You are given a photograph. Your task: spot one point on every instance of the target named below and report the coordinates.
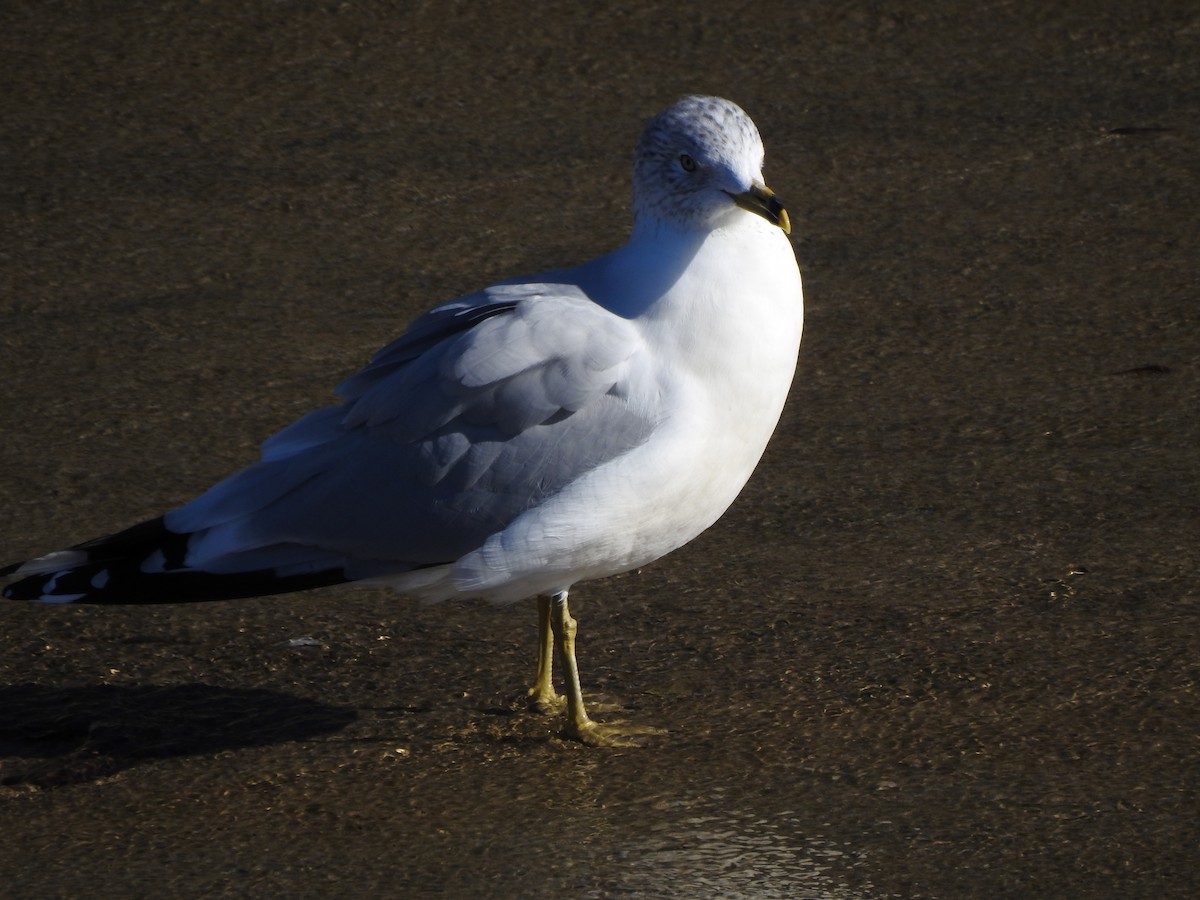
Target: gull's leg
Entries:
(542, 695)
(579, 725)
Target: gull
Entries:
(514, 442)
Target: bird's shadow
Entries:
(52, 737)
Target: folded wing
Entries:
(483, 409)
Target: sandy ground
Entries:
(945, 645)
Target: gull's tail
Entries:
(145, 564)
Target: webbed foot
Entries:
(599, 734)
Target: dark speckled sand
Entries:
(946, 643)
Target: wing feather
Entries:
(480, 411)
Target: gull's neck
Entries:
(631, 279)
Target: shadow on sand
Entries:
(53, 737)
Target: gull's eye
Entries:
(689, 164)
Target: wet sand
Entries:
(945, 644)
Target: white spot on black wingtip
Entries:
(58, 561)
(155, 562)
(100, 580)
(55, 599)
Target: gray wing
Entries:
(481, 410)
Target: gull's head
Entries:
(699, 165)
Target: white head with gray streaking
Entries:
(696, 162)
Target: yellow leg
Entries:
(542, 695)
(579, 725)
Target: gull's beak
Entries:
(762, 201)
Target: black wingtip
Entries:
(109, 570)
